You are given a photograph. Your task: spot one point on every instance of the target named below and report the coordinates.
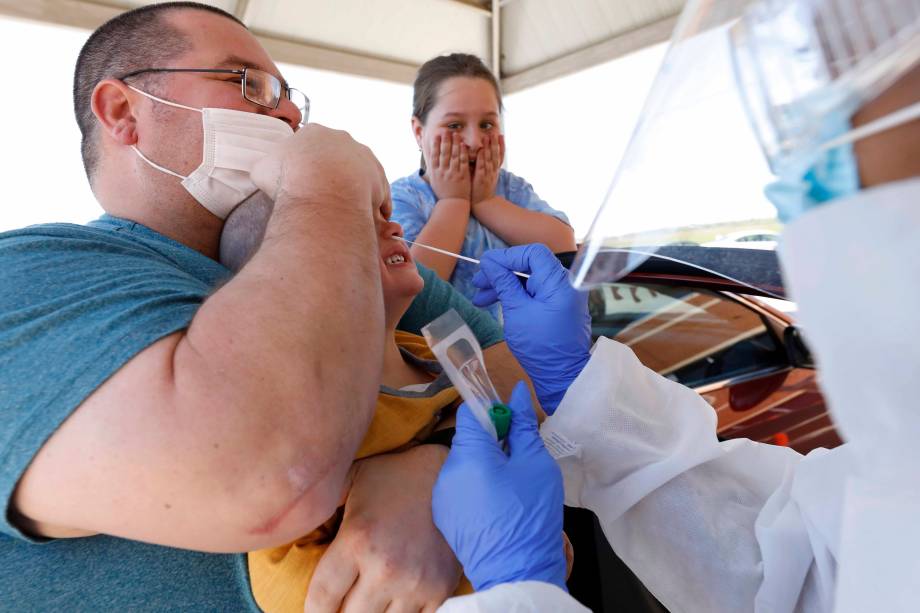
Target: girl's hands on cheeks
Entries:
(448, 165)
(488, 164)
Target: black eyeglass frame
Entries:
(285, 88)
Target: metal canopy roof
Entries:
(537, 40)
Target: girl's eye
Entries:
(453, 126)
(487, 125)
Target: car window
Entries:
(691, 336)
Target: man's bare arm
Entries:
(237, 433)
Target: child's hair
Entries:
(437, 70)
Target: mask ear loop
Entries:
(155, 165)
(892, 120)
(168, 103)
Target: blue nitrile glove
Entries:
(547, 325)
(502, 514)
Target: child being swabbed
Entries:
(415, 396)
(415, 399)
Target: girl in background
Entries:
(461, 199)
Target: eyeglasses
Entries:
(258, 87)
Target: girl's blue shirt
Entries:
(414, 201)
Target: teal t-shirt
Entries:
(76, 303)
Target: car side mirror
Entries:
(796, 350)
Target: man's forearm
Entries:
(281, 346)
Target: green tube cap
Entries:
(501, 418)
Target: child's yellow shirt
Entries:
(280, 576)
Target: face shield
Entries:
(745, 92)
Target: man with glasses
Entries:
(257, 86)
(155, 408)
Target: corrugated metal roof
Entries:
(388, 39)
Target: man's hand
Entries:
(388, 555)
(318, 161)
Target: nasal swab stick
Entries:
(523, 275)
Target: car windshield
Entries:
(690, 335)
(755, 268)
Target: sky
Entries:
(566, 137)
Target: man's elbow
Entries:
(233, 511)
(297, 514)
(302, 496)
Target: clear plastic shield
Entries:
(741, 92)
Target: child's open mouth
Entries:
(398, 256)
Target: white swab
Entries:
(523, 275)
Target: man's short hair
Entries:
(140, 38)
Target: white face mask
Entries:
(233, 142)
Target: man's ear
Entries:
(417, 131)
(113, 104)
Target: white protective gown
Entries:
(739, 526)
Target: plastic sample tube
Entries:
(459, 353)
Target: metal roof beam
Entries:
(240, 11)
(90, 15)
(482, 7)
(496, 40)
(593, 55)
(337, 60)
(71, 13)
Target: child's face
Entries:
(398, 274)
(467, 106)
